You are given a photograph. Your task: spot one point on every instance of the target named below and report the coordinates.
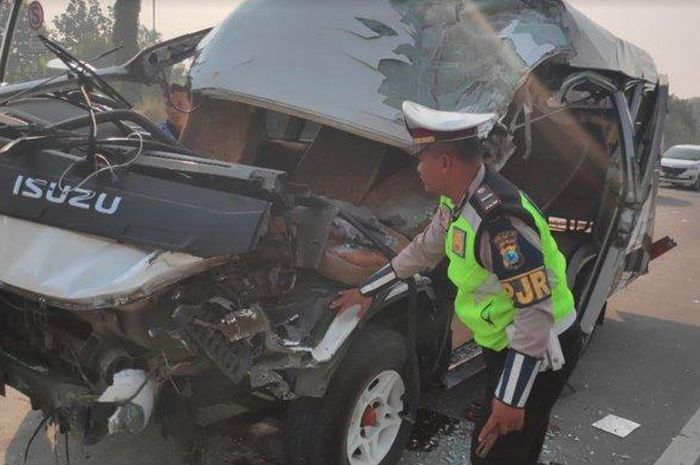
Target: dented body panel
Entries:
(295, 56)
(88, 272)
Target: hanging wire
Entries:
(42, 423)
(93, 126)
(91, 110)
(64, 174)
(55, 450)
(65, 438)
(119, 166)
(109, 166)
(105, 162)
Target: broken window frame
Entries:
(613, 251)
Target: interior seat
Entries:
(225, 131)
(340, 165)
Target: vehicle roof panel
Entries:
(351, 64)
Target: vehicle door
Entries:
(648, 109)
(624, 213)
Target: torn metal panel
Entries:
(301, 316)
(345, 323)
(350, 65)
(244, 323)
(533, 40)
(341, 328)
(314, 225)
(271, 381)
(223, 331)
(84, 271)
(598, 48)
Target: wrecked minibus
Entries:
(145, 279)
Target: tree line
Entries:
(86, 29)
(683, 122)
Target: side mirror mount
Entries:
(147, 66)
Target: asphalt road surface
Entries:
(643, 365)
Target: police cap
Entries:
(428, 126)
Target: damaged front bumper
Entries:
(125, 406)
(683, 181)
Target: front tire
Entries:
(696, 186)
(362, 418)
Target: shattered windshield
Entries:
(458, 60)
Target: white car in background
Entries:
(680, 166)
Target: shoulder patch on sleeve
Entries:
(528, 288)
(486, 199)
(510, 254)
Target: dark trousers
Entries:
(524, 447)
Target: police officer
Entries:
(510, 277)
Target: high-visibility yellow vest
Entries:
(483, 304)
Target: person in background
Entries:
(178, 107)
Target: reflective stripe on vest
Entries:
(482, 304)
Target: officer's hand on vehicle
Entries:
(347, 299)
(504, 419)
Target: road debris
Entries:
(618, 426)
(430, 426)
(473, 411)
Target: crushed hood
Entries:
(77, 270)
(351, 64)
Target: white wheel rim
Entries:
(375, 421)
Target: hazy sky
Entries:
(668, 29)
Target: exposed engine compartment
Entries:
(228, 319)
(106, 321)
